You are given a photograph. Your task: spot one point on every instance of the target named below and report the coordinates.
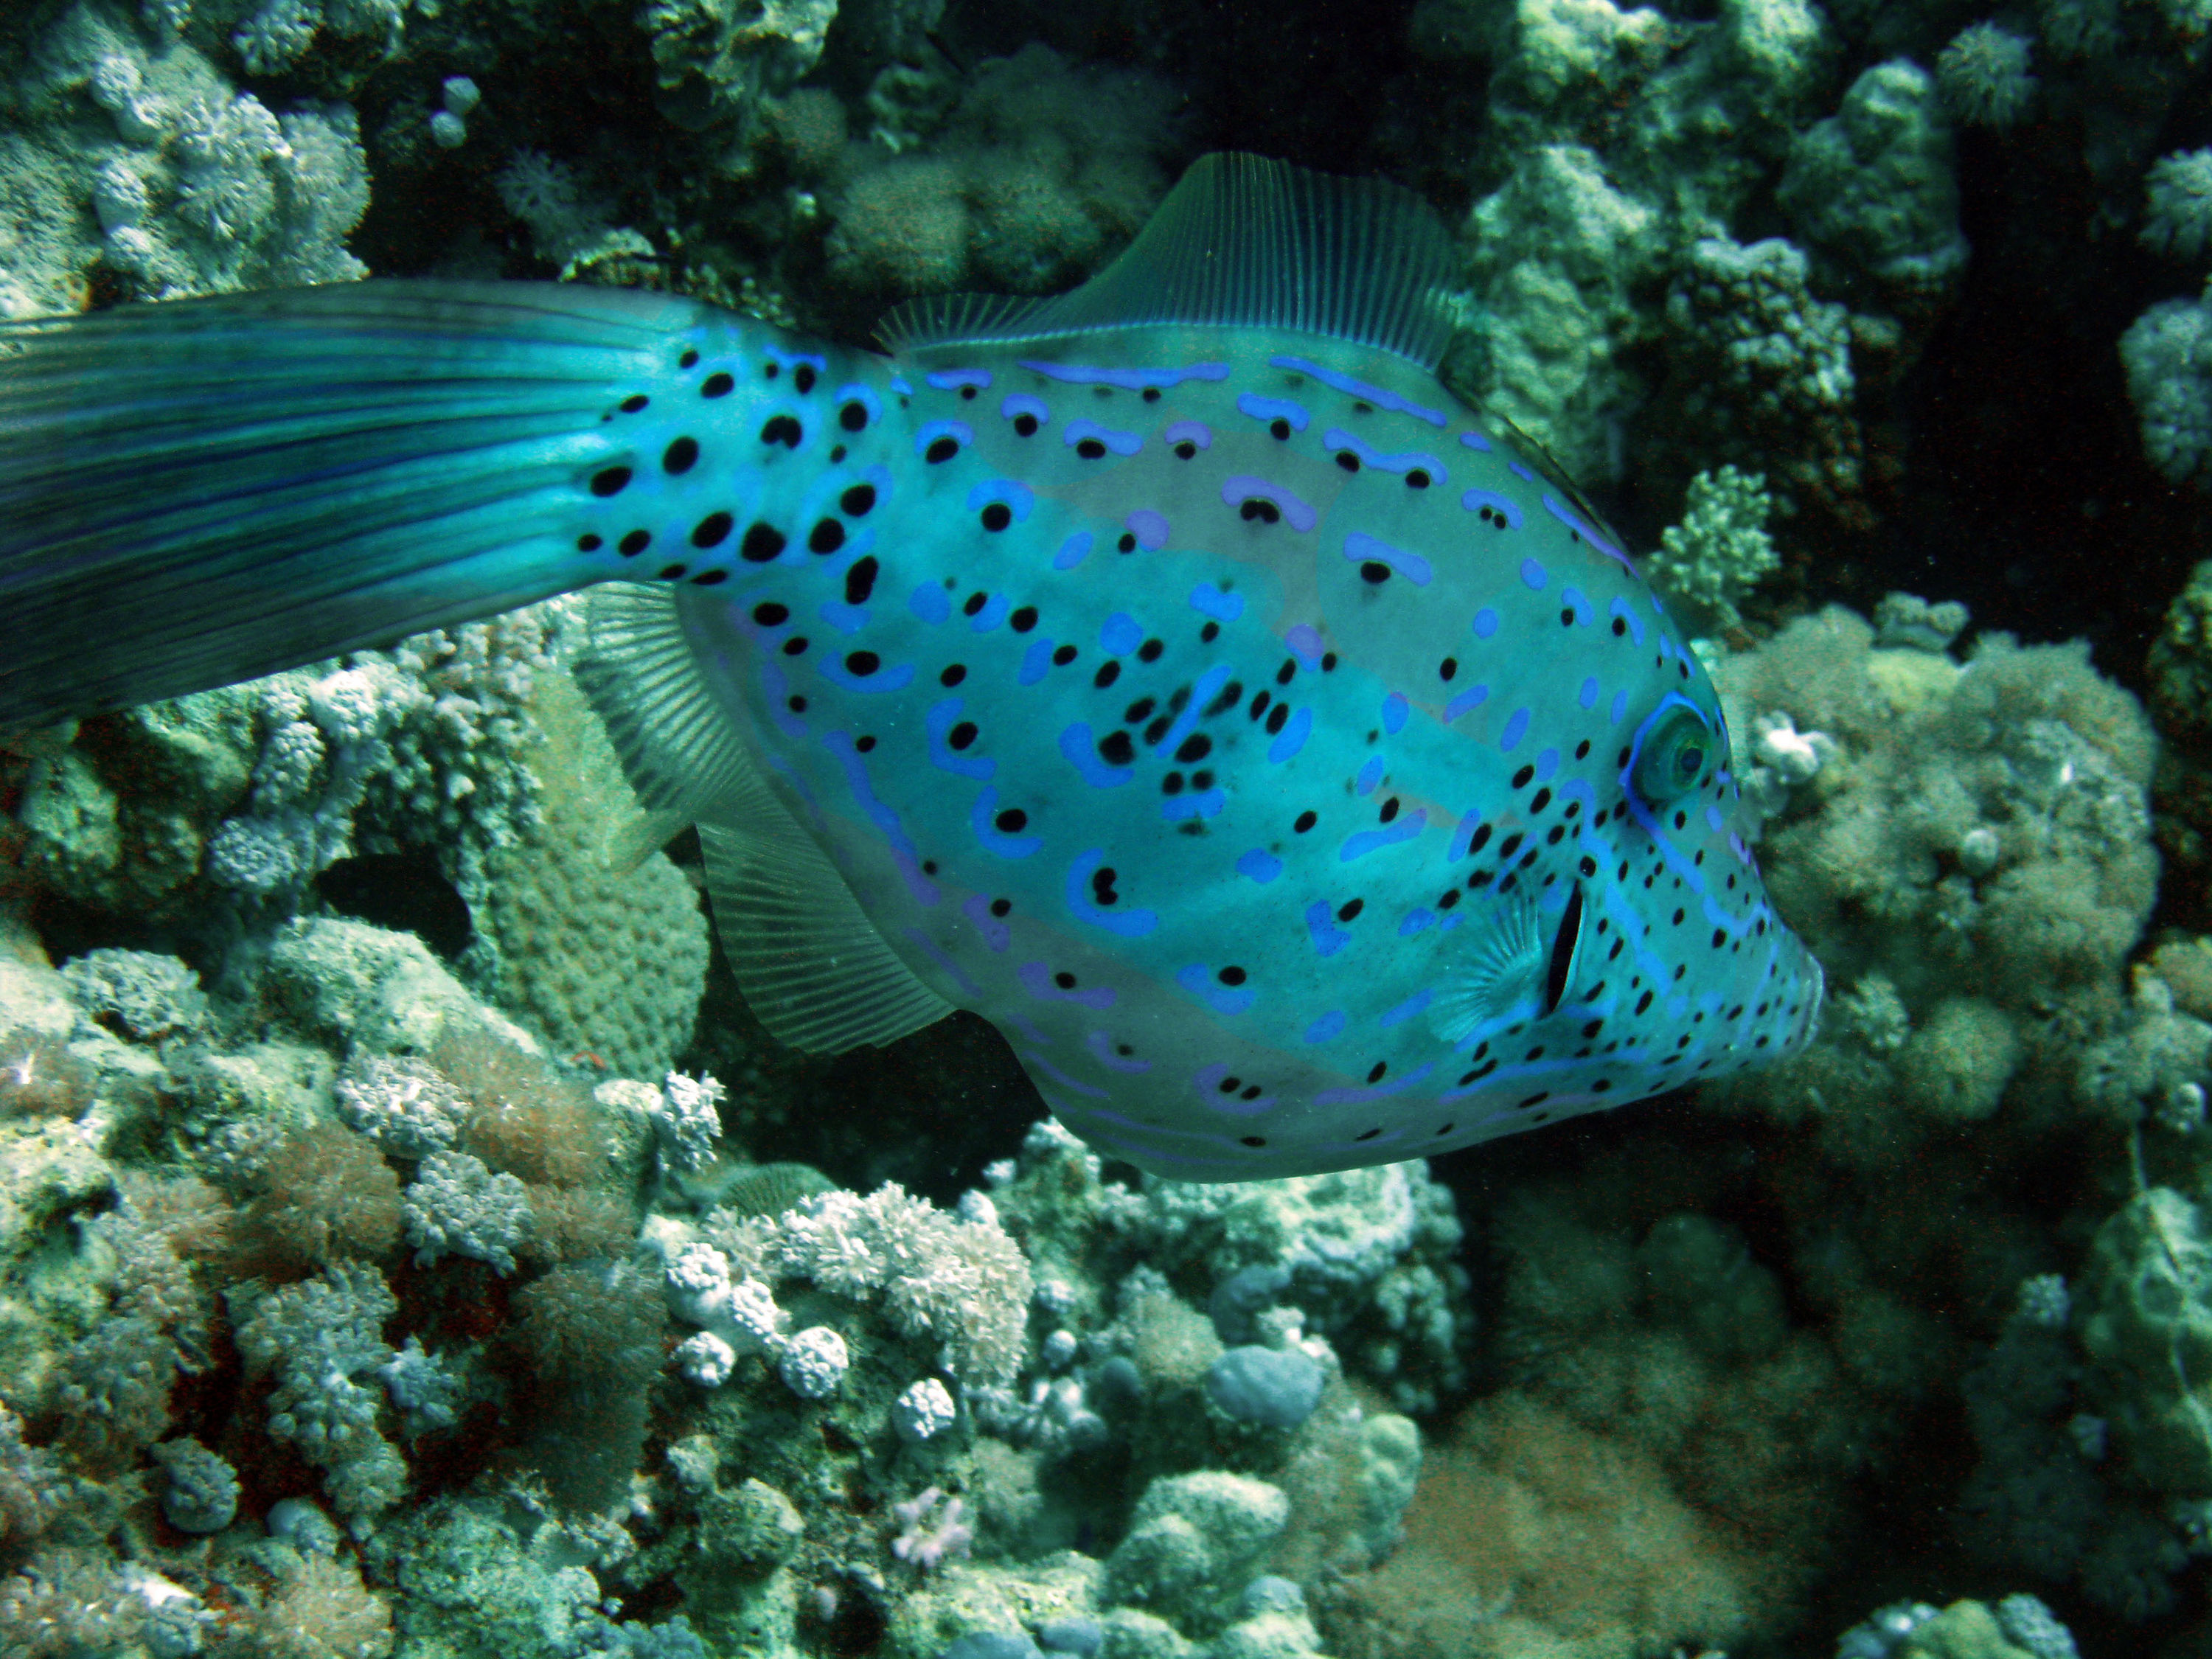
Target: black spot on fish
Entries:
(680, 457)
(763, 542)
(953, 674)
(861, 580)
(997, 516)
(853, 417)
(769, 614)
(634, 544)
(783, 430)
(940, 451)
(827, 537)
(858, 500)
(610, 481)
(962, 735)
(710, 531)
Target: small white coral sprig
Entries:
(928, 1536)
(964, 1283)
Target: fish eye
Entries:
(1675, 752)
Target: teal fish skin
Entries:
(1173, 673)
(1242, 725)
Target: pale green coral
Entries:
(1719, 551)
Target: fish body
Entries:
(1299, 775)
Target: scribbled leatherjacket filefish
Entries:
(1173, 672)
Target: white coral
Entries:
(814, 1363)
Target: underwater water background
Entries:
(410, 1242)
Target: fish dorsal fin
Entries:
(1242, 241)
(812, 967)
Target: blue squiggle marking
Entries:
(895, 677)
(1129, 379)
(942, 717)
(1327, 1028)
(1361, 547)
(1273, 409)
(1485, 622)
(1394, 714)
(847, 619)
(1626, 612)
(1373, 394)
(1030, 1058)
(1405, 1009)
(1128, 924)
(1534, 575)
(1619, 707)
(1201, 804)
(1103, 1049)
(1360, 845)
(1474, 441)
(1371, 773)
(1292, 737)
(996, 933)
(1305, 645)
(1080, 750)
(1210, 601)
(1516, 727)
(959, 431)
(1037, 662)
(1123, 444)
(952, 380)
(1200, 982)
(1209, 687)
(1467, 702)
(1588, 534)
(1242, 487)
(1258, 865)
(1328, 937)
(923, 889)
(1149, 528)
(1073, 552)
(928, 601)
(1120, 634)
(1380, 1091)
(1337, 438)
(1588, 697)
(993, 613)
(930, 949)
(1417, 921)
(994, 842)
(1190, 431)
(1018, 497)
(1020, 403)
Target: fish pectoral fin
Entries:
(1503, 972)
(812, 967)
(679, 750)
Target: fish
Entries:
(1285, 756)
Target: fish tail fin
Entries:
(201, 492)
